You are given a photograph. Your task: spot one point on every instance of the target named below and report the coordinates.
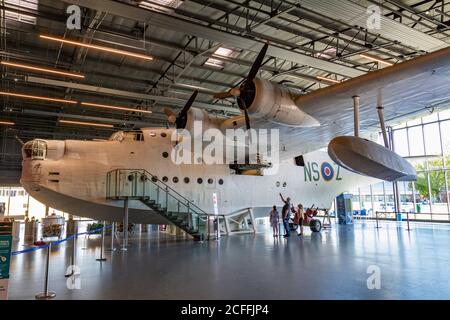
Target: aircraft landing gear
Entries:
(315, 225)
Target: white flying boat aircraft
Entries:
(93, 178)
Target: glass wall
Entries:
(425, 142)
(15, 202)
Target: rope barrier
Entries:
(55, 243)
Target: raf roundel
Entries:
(327, 171)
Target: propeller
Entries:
(234, 92)
(246, 92)
(181, 119)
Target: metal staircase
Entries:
(139, 184)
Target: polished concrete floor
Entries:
(329, 265)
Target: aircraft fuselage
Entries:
(72, 178)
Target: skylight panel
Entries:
(160, 5)
(21, 4)
(222, 52)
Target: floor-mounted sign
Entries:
(5, 257)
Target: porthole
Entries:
(199, 180)
(186, 180)
(175, 180)
(210, 181)
(221, 181)
(163, 134)
(278, 184)
(144, 178)
(165, 154)
(165, 179)
(155, 178)
(284, 184)
(130, 177)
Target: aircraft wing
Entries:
(407, 90)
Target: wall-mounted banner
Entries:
(5, 257)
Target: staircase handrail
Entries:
(166, 185)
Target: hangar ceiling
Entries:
(194, 44)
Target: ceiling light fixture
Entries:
(53, 71)
(91, 124)
(26, 96)
(376, 59)
(328, 79)
(95, 47)
(6, 123)
(114, 107)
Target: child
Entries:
(298, 218)
(274, 216)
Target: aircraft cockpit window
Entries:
(35, 150)
(135, 135)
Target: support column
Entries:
(252, 217)
(380, 110)
(395, 184)
(356, 104)
(396, 198)
(125, 225)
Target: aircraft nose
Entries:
(34, 150)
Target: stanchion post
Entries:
(72, 263)
(113, 233)
(279, 228)
(407, 220)
(102, 243)
(125, 226)
(46, 294)
(376, 219)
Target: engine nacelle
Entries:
(275, 103)
(201, 117)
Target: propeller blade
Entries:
(171, 116)
(247, 119)
(234, 92)
(189, 103)
(182, 117)
(222, 95)
(258, 63)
